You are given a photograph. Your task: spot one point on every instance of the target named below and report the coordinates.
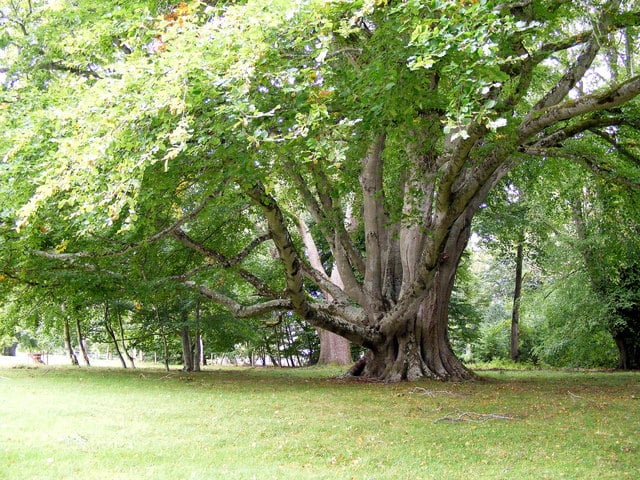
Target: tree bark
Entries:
(515, 312)
(419, 344)
(333, 349)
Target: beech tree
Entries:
(383, 125)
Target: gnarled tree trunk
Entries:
(419, 345)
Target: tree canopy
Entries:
(156, 144)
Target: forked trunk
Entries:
(419, 346)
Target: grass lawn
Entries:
(59, 423)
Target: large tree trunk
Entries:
(419, 346)
(334, 349)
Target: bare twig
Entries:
(473, 417)
(432, 393)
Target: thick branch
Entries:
(315, 270)
(344, 320)
(571, 77)
(237, 309)
(336, 217)
(225, 262)
(335, 321)
(345, 254)
(536, 122)
(374, 219)
(285, 246)
(558, 136)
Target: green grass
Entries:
(58, 423)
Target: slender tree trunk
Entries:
(197, 354)
(81, 342)
(187, 356)
(515, 313)
(112, 334)
(67, 343)
(165, 349)
(124, 341)
(198, 358)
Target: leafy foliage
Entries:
(151, 150)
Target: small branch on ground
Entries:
(432, 393)
(473, 417)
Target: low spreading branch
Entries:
(537, 121)
(224, 262)
(71, 257)
(239, 310)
